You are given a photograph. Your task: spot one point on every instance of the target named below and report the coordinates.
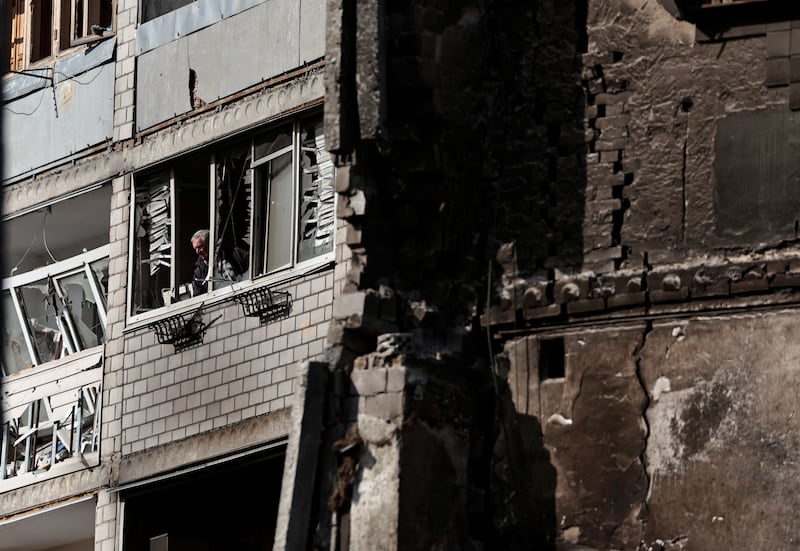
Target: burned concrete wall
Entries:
(542, 192)
(722, 430)
(451, 131)
(472, 128)
(678, 432)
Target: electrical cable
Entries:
(67, 77)
(41, 98)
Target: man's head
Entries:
(200, 243)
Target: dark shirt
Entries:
(232, 262)
(199, 285)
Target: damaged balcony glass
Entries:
(50, 430)
(54, 311)
(54, 300)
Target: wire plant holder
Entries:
(181, 330)
(266, 304)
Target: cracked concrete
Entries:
(720, 454)
(672, 434)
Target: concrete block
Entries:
(549, 311)
(586, 306)
(786, 280)
(369, 382)
(383, 406)
(749, 286)
(395, 379)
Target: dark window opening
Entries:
(234, 506)
(42, 29)
(91, 17)
(156, 8)
(551, 358)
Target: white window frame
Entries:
(71, 266)
(286, 273)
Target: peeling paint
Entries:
(559, 419)
(662, 385)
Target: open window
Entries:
(54, 298)
(267, 201)
(39, 29)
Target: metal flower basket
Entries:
(181, 330)
(265, 303)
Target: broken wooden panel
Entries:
(17, 19)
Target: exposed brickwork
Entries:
(105, 536)
(111, 432)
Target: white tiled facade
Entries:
(162, 412)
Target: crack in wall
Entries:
(637, 355)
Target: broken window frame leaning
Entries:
(51, 428)
(66, 23)
(311, 204)
(71, 332)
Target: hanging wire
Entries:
(44, 241)
(67, 77)
(41, 98)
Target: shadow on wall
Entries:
(524, 484)
(484, 144)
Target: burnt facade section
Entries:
(556, 203)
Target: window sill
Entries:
(228, 294)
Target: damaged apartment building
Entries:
(137, 411)
(483, 274)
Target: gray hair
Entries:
(200, 234)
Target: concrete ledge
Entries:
(206, 446)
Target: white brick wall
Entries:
(127, 14)
(241, 370)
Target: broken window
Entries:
(54, 300)
(169, 206)
(269, 208)
(49, 430)
(38, 29)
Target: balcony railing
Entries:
(50, 414)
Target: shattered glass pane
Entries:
(152, 248)
(232, 245)
(15, 351)
(41, 306)
(83, 309)
(316, 217)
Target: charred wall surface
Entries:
(551, 199)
